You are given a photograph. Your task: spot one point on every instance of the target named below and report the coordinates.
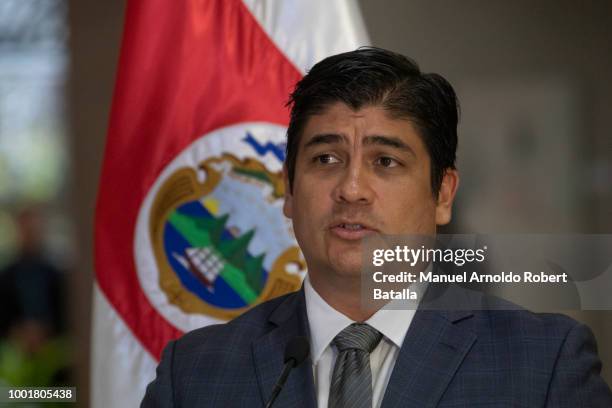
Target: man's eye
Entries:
(326, 159)
(387, 162)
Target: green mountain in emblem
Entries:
(211, 257)
(256, 174)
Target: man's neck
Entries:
(345, 297)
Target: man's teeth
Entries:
(352, 226)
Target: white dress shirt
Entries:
(326, 322)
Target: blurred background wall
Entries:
(533, 79)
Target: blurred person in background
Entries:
(32, 324)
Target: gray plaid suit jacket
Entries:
(510, 358)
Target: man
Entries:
(371, 150)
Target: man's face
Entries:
(359, 173)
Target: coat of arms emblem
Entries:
(218, 240)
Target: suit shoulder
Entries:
(526, 324)
(556, 321)
(234, 334)
(499, 316)
(258, 315)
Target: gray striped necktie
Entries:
(351, 384)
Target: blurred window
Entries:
(33, 117)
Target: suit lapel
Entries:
(433, 350)
(290, 321)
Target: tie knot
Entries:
(358, 336)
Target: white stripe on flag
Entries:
(308, 31)
(116, 351)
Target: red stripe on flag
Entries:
(185, 69)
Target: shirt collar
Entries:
(325, 322)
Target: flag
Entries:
(189, 224)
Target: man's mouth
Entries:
(351, 230)
(353, 227)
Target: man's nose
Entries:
(354, 185)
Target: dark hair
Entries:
(374, 76)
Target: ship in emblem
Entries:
(203, 264)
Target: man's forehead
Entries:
(357, 114)
(390, 141)
(339, 111)
(339, 123)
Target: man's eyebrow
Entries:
(390, 141)
(325, 138)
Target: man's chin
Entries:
(346, 265)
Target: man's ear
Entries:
(288, 205)
(446, 196)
